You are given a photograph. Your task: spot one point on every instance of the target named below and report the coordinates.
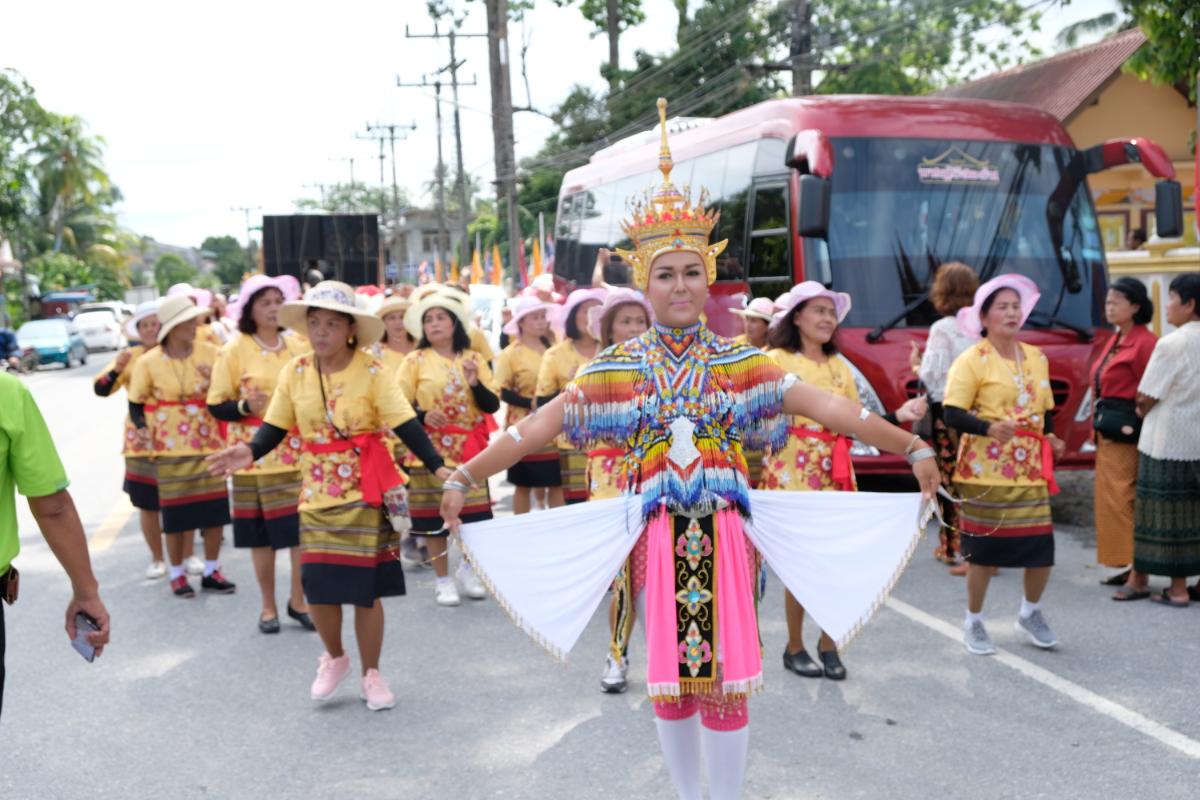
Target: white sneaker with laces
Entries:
(613, 680)
(156, 570)
(470, 582)
(193, 565)
(446, 594)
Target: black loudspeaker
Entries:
(344, 247)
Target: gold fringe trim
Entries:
(842, 643)
(513, 616)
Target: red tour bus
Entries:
(868, 195)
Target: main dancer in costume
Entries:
(682, 401)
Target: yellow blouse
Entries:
(206, 334)
(175, 393)
(359, 399)
(559, 365)
(517, 369)
(806, 463)
(131, 446)
(435, 383)
(244, 367)
(993, 388)
(479, 343)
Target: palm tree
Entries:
(1099, 26)
(71, 176)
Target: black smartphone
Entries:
(83, 626)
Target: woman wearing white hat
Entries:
(140, 483)
(757, 318)
(478, 339)
(340, 399)
(577, 347)
(517, 369)
(167, 400)
(451, 387)
(265, 517)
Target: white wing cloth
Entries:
(839, 553)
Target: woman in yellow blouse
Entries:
(451, 387)
(140, 483)
(340, 400)
(265, 495)
(167, 400)
(559, 366)
(478, 338)
(998, 397)
(517, 369)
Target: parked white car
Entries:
(100, 327)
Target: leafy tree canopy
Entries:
(170, 269)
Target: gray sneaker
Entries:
(976, 638)
(613, 680)
(1038, 629)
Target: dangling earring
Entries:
(352, 342)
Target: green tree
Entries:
(342, 198)
(57, 271)
(170, 269)
(612, 18)
(229, 256)
(72, 183)
(21, 120)
(1172, 52)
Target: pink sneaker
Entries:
(330, 672)
(376, 692)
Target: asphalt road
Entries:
(190, 701)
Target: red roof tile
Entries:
(1060, 85)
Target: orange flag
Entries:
(476, 268)
(437, 268)
(497, 266)
(453, 269)
(535, 268)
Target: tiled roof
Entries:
(1060, 85)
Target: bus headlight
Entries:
(870, 400)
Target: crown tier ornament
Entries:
(666, 221)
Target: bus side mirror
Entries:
(812, 219)
(1168, 209)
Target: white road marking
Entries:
(1101, 705)
(108, 531)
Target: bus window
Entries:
(596, 225)
(770, 264)
(566, 240)
(769, 158)
(734, 203)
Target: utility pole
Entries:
(800, 59)
(350, 198)
(460, 180)
(321, 188)
(246, 210)
(391, 128)
(443, 231)
(502, 124)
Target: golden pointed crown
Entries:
(665, 221)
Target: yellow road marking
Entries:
(108, 531)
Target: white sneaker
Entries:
(446, 594)
(193, 565)
(613, 680)
(156, 570)
(470, 582)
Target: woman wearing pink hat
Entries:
(814, 458)
(266, 495)
(516, 374)
(559, 366)
(998, 397)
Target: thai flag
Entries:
(548, 256)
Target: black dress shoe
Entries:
(269, 625)
(303, 618)
(802, 664)
(834, 669)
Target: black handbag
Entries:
(1116, 419)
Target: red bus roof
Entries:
(835, 115)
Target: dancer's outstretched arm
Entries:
(846, 416)
(535, 432)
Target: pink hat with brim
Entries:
(615, 299)
(969, 319)
(574, 299)
(201, 297)
(525, 306)
(287, 285)
(759, 308)
(789, 300)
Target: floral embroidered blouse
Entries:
(806, 462)
(993, 388)
(174, 393)
(244, 367)
(682, 402)
(358, 399)
(131, 447)
(432, 382)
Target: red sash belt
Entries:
(842, 474)
(376, 469)
(477, 437)
(606, 452)
(1047, 458)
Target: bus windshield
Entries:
(900, 207)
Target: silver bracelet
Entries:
(864, 413)
(920, 455)
(912, 443)
(466, 473)
(512, 431)
(455, 486)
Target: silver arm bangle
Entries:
(466, 473)
(455, 486)
(912, 443)
(864, 414)
(512, 431)
(920, 455)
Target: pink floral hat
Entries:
(789, 300)
(616, 298)
(969, 319)
(524, 307)
(287, 285)
(574, 299)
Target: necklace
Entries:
(180, 371)
(1018, 377)
(265, 348)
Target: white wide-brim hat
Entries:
(332, 296)
(145, 309)
(414, 318)
(807, 290)
(970, 319)
(392, 304)
(173, 310)
(760, 308)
